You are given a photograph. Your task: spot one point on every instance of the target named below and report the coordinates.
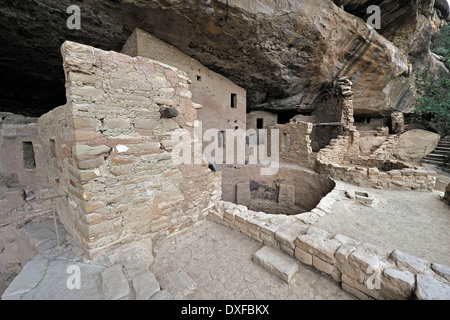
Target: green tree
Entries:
(432, 108)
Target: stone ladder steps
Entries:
(440, 155)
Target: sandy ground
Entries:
(415, 222)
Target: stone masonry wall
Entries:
(110, 150)
(363, 269)
(336, 104)
(294, 190)
(22, 170)
(341, 160)
(294, 143)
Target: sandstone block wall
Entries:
(294, 143)
(363, 269)
(291, 191)
(108, 150)
(208, 88)
(22, 169)
(268, 119)
(341, 160)
(14, 131)
(336, 104)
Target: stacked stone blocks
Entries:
(364, 270)
(341, 160)
(112, 150)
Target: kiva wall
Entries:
(291, 191)
(109, 150)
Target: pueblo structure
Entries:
(98, 179)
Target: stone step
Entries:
(276, 262)
(444, 144)
(145, 286)
(114, 283)
(442, 150)
(431, 161)
(178, 284)
(436, 156)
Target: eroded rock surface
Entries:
(282, 52)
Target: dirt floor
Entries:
(415, 222)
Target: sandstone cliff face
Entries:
(283, 52)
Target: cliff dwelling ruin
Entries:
(301, 160)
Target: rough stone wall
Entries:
(112, 157)
(336, 104)
(269, 119)
(291, 191)
(294, 143)
(363, 269)
(22, 169)
(322, 134)
(341, 160)
(363, 123)
(14, 130)
(209, 89)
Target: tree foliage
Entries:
(432, 109)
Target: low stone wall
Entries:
(108, 150)
(341, 160)
(364, 270)
(291, 191)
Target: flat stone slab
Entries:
(114, 283)
(428, 288)
(30, 276)
(145, 286)
(277, 262)
(178, 284)
(412, 263)
(53, 285)
(162, 295)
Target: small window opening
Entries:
(220, 135)
(52, 148)
(368, 119)
(29, 161)
(199, 78)
(259, 123)
(286, 142)
(233, 100)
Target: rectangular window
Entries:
(220, 135)
(29, 161)
(52, 148)
(259, 123)
(234, 100)
(286, 142)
